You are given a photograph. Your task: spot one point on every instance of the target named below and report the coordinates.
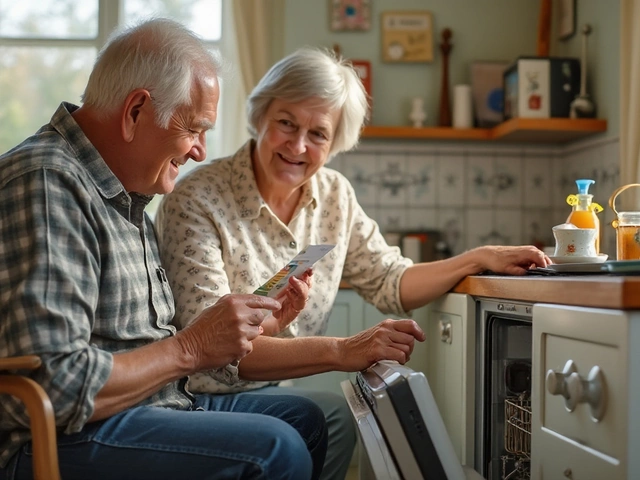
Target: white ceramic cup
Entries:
(574, 242)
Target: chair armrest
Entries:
(26, 362)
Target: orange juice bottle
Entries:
(584, 210)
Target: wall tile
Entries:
(358, 168)
(537, 181)
(507, 181)
(422, 189)
(392, 179)
(450, 184)
(479, 181)
(479, 194)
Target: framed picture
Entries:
(566, 18)
(407, 36)
(350, 15)
(487, 90)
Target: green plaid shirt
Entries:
(80, 275)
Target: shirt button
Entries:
(292, 244)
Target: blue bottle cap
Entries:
(583, 185)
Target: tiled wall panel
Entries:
(478, 194)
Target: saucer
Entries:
(601, 258)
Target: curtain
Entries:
(256, 43)
(629, 100)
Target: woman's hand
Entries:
(512, 260)
(293, 299)
(388, 340)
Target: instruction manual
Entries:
(296, 267)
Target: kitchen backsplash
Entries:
(478, 194)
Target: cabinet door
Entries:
(579, 392)
(346, 319)
(451, 368)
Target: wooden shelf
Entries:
(522, 130)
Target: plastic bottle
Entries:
(584, 211)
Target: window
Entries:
(47, 50)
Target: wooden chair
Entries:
(40, 410)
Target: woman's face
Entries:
(294, 140)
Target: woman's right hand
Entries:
(222, 333)
(388, 340)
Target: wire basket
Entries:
(517, 431)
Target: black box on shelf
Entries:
(540, 87)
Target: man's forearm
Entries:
(138, 374)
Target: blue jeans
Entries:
(266, 437)
(342, 430)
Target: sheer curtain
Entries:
(256, 45)
(629, 98)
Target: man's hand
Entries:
(222, 333)
(389, 340)
(294, 299)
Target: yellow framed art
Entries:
(407, 36)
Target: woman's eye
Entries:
(319, 135)
(286, 124)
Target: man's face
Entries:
(161, 152)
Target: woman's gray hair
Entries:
(314, 72)
(159, 55)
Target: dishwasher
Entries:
(401, 431)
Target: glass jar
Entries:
(628, 236)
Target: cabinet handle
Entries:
(557, 384)
(445, 331)
(591, 391)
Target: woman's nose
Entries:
(297, 144)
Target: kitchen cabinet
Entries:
(450, 330)
(585, 420)
(350, 315)
(522, 130)
(585, 381)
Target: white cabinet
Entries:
(350, 315)
(585, 419)
(450, 345)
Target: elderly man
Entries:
(82, 287)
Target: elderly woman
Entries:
(231, 224)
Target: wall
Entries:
(482, 30)
(477, 193)
(480, 194)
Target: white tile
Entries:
(421, 218)
(392, 180)
(479, 228)
(507, 227)
(359, 168)
(451, 222)
(537, 179)
(391, 219)
(507, 181)
(536, 227)
(422, 171)
(479, 181)
(450, 183)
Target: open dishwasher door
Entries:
(401, 430)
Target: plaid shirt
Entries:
(80, 275)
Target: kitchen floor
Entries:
(352, 474)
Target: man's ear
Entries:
(136, 104)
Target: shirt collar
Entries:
(101, 175)
(245, 188)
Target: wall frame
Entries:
(566, 18)
(407, 36)
(350, 15)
